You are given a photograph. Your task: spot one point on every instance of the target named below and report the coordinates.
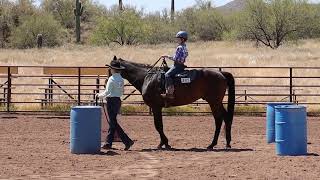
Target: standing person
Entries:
(113, 92)
(179, 59)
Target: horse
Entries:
(210, 85)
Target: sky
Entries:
(158, 5)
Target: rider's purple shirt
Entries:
(181, 54)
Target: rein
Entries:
(152, 67)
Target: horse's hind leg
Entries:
(218, 112)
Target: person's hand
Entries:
(164, 56)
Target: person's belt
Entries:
(180, 64)
(112, 97)
(177, 62)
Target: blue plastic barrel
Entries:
(270, 126)
(85, 127)
(291, 130)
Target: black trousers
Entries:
(113, 107)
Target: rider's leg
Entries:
(175, 69)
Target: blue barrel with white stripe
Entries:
(270, 122)
(85, 129)
(291, 130)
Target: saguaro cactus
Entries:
(120, 5)
(78, 13)
(172, 10)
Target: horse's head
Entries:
(129, 65)
(133, 72)
(116, 60)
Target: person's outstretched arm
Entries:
(107, 90)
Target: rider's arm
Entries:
(108, 89)
(179, 56)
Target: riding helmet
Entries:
(182, 34)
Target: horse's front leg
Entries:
(157, 115)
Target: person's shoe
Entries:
(106, 146)
(128, 145)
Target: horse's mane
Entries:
(145, 66)
(142, 65)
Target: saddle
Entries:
(184, 78)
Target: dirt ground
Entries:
(34, 147)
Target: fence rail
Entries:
(43, 88)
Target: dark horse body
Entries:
(209, 85)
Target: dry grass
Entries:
(243, 54)
(201, 54)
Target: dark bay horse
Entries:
(209, 85)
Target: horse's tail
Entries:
(231, 95)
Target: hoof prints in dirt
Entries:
(145, 168)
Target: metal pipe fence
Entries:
(53, 88)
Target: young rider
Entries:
(179, 59)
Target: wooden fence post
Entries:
(9, 90)
(290, 85)
(79, 86)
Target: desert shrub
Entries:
(24, 36)
(123, 28)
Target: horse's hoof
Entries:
(159, 147)
(168, 147)
(210, 148)
(228, 146)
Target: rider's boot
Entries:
(169, 92)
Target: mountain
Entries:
(236, 5)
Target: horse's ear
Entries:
(115, 58)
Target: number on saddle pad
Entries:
(185, 80)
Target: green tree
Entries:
(272, 22)
(159, 29)
(308, 20)
(125, 28)
(25, 35)
(62, 11)
(202, 22)
(5, 22)
(186, 20)
(11, 15)
(210, 25)
(21, 9)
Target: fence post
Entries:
(95, 91)
(5, 93)
(79, 86)
(44, 102)
(50, 90)
(246, 97)
(291, 85)
(97, 87)
(9, 90)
